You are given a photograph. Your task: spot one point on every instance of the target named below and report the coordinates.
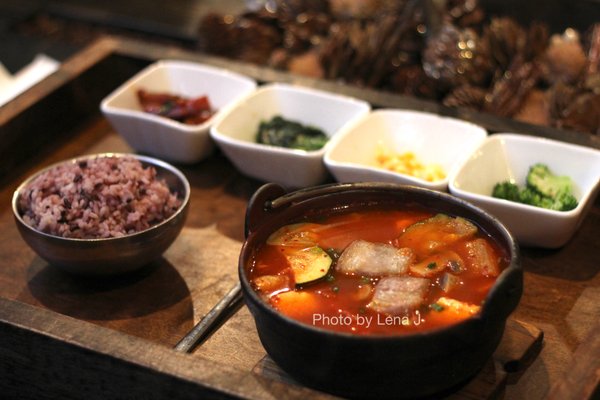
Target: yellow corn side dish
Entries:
(407, 163)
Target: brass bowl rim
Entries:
(144, 159)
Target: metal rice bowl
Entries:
(113, 255)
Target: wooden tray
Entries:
(68, 337)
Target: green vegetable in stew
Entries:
(308, 264)
(290, 134)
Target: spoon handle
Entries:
(228, 303)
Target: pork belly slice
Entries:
(482, 258)
(399, 294)
(374, 259)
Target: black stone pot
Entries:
(406, 366)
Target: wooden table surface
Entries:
(162, 302)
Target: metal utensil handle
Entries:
(209, 321)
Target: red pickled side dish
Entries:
(190, 111)
(383, 272)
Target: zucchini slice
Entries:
(294, 235)
(308, 264)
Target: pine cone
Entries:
(468, 96)
(456, 56)
(465, 13)
(505, 39)
(509, 91)
(411, 80)
(565, 58)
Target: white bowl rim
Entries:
(171, 63)
(520, 206)
(329, 161)
(516, 205)
(390, 174)
(282, 86)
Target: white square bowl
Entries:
(163, 137)
(433, 139)
(506, 156)
(235, 133)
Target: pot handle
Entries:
(272, 197)
(259, 205)
(302, 194)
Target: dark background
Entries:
(59, 28)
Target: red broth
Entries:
(343, 302)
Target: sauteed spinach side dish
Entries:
(290, 134)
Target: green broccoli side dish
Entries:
(543, 189)
(545, 182)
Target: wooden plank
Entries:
(554, 279)
(48, 355)
(71, 358)
(582, 380)
(520, 345)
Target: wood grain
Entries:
(582, 380)
(45, 355)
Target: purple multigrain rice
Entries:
(98, 198)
